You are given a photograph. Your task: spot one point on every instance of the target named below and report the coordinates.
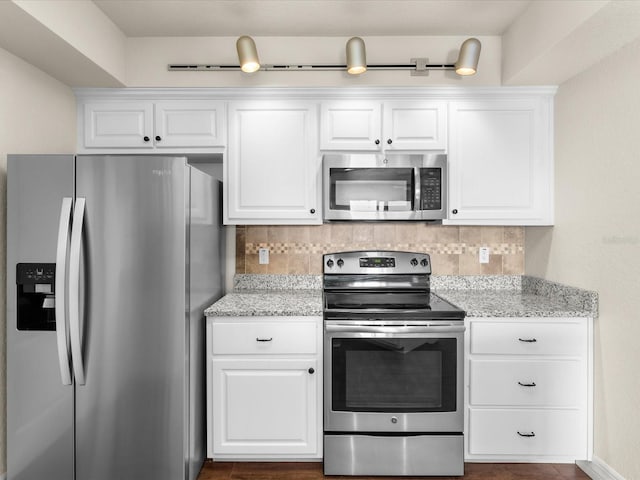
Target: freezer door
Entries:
(39, 406)
(131, 412)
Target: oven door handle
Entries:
(440, 328)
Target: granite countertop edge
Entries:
(480, 296)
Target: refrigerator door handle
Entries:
(62, 332)
(74, 291)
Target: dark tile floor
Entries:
(313, 471)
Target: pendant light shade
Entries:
(247, 54)
(356, 56)
(468, 57)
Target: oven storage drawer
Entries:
(527, 432)
(264, 338)
(553, 383)
(534, 337)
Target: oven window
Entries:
(393, 375)
(371, 189)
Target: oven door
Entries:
(393, 378)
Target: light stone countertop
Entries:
(481, 296)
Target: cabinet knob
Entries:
(528, 340)
(454, 211)
(158, 138)
(145, 138)
(527, 434)
(377, 142)
(389, 141)
(312, 371)
(312, 211)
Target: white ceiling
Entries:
(171, 18)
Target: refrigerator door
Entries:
(131, 413)
(39, 406)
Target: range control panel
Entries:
(359, 262)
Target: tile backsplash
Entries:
(453, 250)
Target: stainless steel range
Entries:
(393, 357)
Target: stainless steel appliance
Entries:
(389, 186)
(111, 261)
(393, 366)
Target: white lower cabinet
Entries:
(529, 389)
(264, 388)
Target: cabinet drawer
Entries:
(527, 432)
(526, 383)
(264, 338)
(528, 338)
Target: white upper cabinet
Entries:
(501, 162)
(377, 126)
(271, 174)
(169, 124)
(194, 123)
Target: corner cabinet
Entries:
(264, 388)
(147, 126)
(272, 172)
(501, 161)
(529, 390)
(377, 126)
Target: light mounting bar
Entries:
(419, 66)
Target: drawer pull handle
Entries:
(528, 340)
(532, 384)
(530, 434)
(258, 339)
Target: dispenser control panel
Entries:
(36, 296)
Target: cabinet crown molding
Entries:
(244, 93)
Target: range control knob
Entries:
(340, 262)
(329, 263)
(424, 262)
(413, 262)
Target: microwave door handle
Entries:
(416, 189)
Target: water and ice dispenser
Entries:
(36, 296)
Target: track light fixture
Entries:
(466, 64)
(468, 57)
(247, 54)
(356, 56)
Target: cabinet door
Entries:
(351, 126)
(415, 126)
(501, 162)
(118, 125)
(272, 173)
(264, 406)
(195, 123)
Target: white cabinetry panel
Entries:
(528, 389)
(194, 123)
(527, 433)
(264, 394)
(500, 157)
(121, 125)
(265, 406)
(377, 126)
(272, 170)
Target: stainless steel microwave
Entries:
(373, 187)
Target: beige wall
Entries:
(453, 250)
(37, 115)
(596, 241)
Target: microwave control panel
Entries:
(431, 188)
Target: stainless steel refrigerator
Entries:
(111, 261)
